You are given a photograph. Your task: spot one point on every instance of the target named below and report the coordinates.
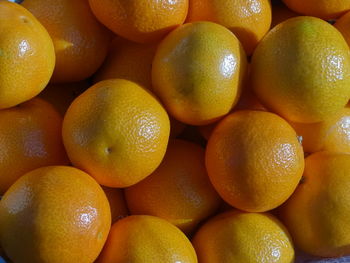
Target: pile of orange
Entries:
(210, 131)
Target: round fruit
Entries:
(80, 41)
(343, 25)
(317, 213)
(178, 191)
(140, 239)
(281, 13)
(140, 20)
(236, 236)
(117, 132)
(197, 79)
(254, 160)
(54, 214)
(30, 137)
(116, 202)
(301, 70)
(248, 20)
(27, 56)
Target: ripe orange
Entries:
(178, 191)
(54, 214)
(343, 25)
(254, 160)
(325, 9)
(117, 132)
(317, 213)
(116, 202)
(30, 137)
(281, 13)
(332, 134)
(80, 41)
(248, 20)
(198, 80)
(236, 236)
(301, 70)
(140, 239)
(27, 56)
(140, 20)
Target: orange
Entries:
(140, 20)
(30, 137)
(117, 132)
(54, 214)
(332, 134)
(236, 236)
(176, 127)
(27, 56)
(179, 190)
(325, 9)
(116, 202)
(62, 95)
(198, 80)
(317, 213)
(281, 13)
(128, 60)
(343, 25)
(80, 41)
(301, 70)
(254, 160)
(248, 20)
(140, 239)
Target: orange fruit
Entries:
(54, 214)
(236, 236)
(176, 127)
(140, 239)
(116, 202)
(301, 70)
(207, 130)
(27, 56)
(140, 20)
(332, 134)
(343, 25)
(117, 132)
(325, 9)
(248, 20)
(254, 160)
(179, 190)
(80, 41)
(128, 60)
(317, 212)
(30, 137)
(197, 79)
(281, 13)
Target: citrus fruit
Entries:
(117, 132)
(235, 236)
(317, 213)
(254, 160)
(128, 60)
(30, 137)
(140, 20)
(301, 70)
(54, 214)
(197, 79)
(281, 13)
(116, 202)
(325, 9)
(248, 20)
(343, 25)
(179, 190)
(27, 56)
(141, 238)
(176, 127)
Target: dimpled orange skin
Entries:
(198, 80)
(27, 56)
(80, 41)
(30, 137)
(343, 25)
(141, 21)
(332, 134)
(117, 132)
(254, 160)
(116, 202)
(54, 214)
(249, 20)
(235, 236)
(301, 70)
(179, 190)
(128, 60)
(139, 239)
(325, 9)
(318, 211)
